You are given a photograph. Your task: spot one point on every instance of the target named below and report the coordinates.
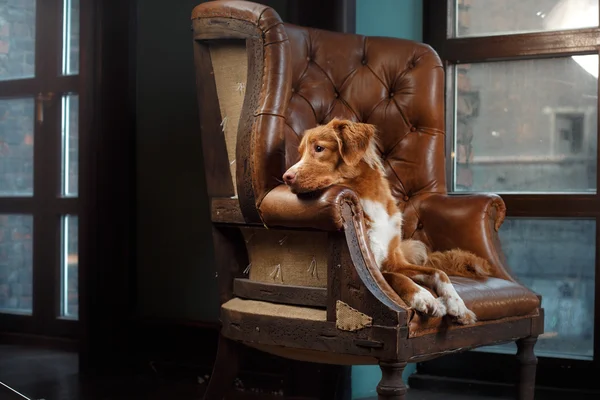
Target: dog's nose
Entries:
(289, 177)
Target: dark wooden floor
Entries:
(52, 375)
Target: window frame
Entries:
(46, 205)
(523, 46)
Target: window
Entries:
(526, 126)
(39, 82)
(522, 121)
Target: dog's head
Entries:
(331, 154)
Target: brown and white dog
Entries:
(345, 153)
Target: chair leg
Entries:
(224, 371)
(528, 365)
(391, 386)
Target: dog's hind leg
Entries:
(414, 251)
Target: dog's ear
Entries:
(353, 139)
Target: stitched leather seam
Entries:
(272, 26)
(303, 74)
(277, 42)
(261, 15)
(396, 175)
(378, 78)
(324, 73)
(346, 79)
(431, 131)
(309, 105)
(374, 108)
(264, 113)
(406, 121)
(341, 100)
(228, 17)
(414, 207)
(391, 150)
(289, 126)
(406, 71)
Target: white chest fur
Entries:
(382, 229)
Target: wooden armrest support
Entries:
(353, 276)
(284, 294)
(355, 279)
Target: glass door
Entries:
(39, 148)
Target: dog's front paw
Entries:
(455, 306)
(468, 318)
(424, 302)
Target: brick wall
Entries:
(17, 38)
(16, 233)
(16, 147)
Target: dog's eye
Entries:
(319, 149)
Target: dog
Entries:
(343, 152)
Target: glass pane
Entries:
(527, 126)
(70, 37)
(17, 39)
(16, 147)
(70, 297)
(488, 18)
(16, 263)
(556, 258)
(70, 144)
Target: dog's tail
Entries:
(459, 263)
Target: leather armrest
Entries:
(319, 210)
(469, 222)
(257, 14)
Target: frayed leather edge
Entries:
(498, 203)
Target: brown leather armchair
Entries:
(297, 278)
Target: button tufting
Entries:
(293, 90)
(420, 225)
(391, 94)
(307, 58)
(406, 198)
(364, 61)
(336, 95)
(413, 128)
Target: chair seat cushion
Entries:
(490, 299)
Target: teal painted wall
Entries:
(395, 18)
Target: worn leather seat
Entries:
(490, 299)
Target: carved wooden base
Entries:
(528, 366)
(224, 371)
(391, 386)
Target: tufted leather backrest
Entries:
(396, 85)
(300, 77)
